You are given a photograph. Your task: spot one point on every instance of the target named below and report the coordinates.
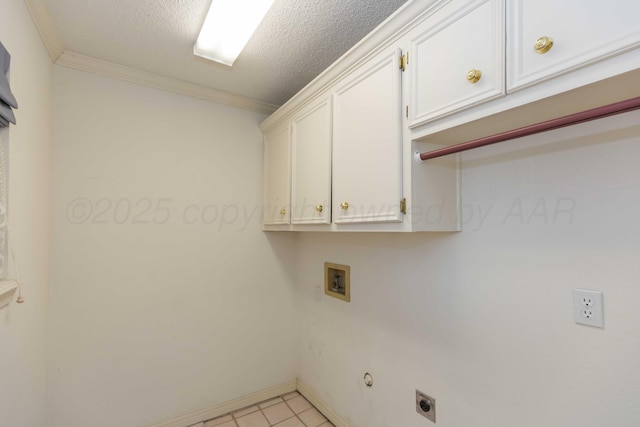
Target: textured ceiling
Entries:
(297, 40)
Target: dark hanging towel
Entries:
(7, 100)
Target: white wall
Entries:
(482, 320)
(23, 333)
(167, 296)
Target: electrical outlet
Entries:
(426, 406)
(588, 308)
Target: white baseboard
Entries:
(312, 396)
(196, 417)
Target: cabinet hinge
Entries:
(406, 111)
(403, 206)
(404, 61)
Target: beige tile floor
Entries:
(290, 410)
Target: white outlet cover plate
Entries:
(588, 308)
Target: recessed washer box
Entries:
(337, 281)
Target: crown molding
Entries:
(42, 20)
(384, 35)
(121, 72)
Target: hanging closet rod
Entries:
(571, 119)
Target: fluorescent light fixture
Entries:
(228, 27)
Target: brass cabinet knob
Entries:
(344, 206)
(319, 208)
(543, 45)
(283, 212)
(474, 75)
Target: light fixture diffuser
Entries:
(228, 27)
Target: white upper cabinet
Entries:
(367, 143)
(311, 186)
(547, 38)
(340, 155)
(277, 175)
(456, 59)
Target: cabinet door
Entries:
(311, 186)
(277, 176)
(367, 143)
(583, 32)
(456, 59)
